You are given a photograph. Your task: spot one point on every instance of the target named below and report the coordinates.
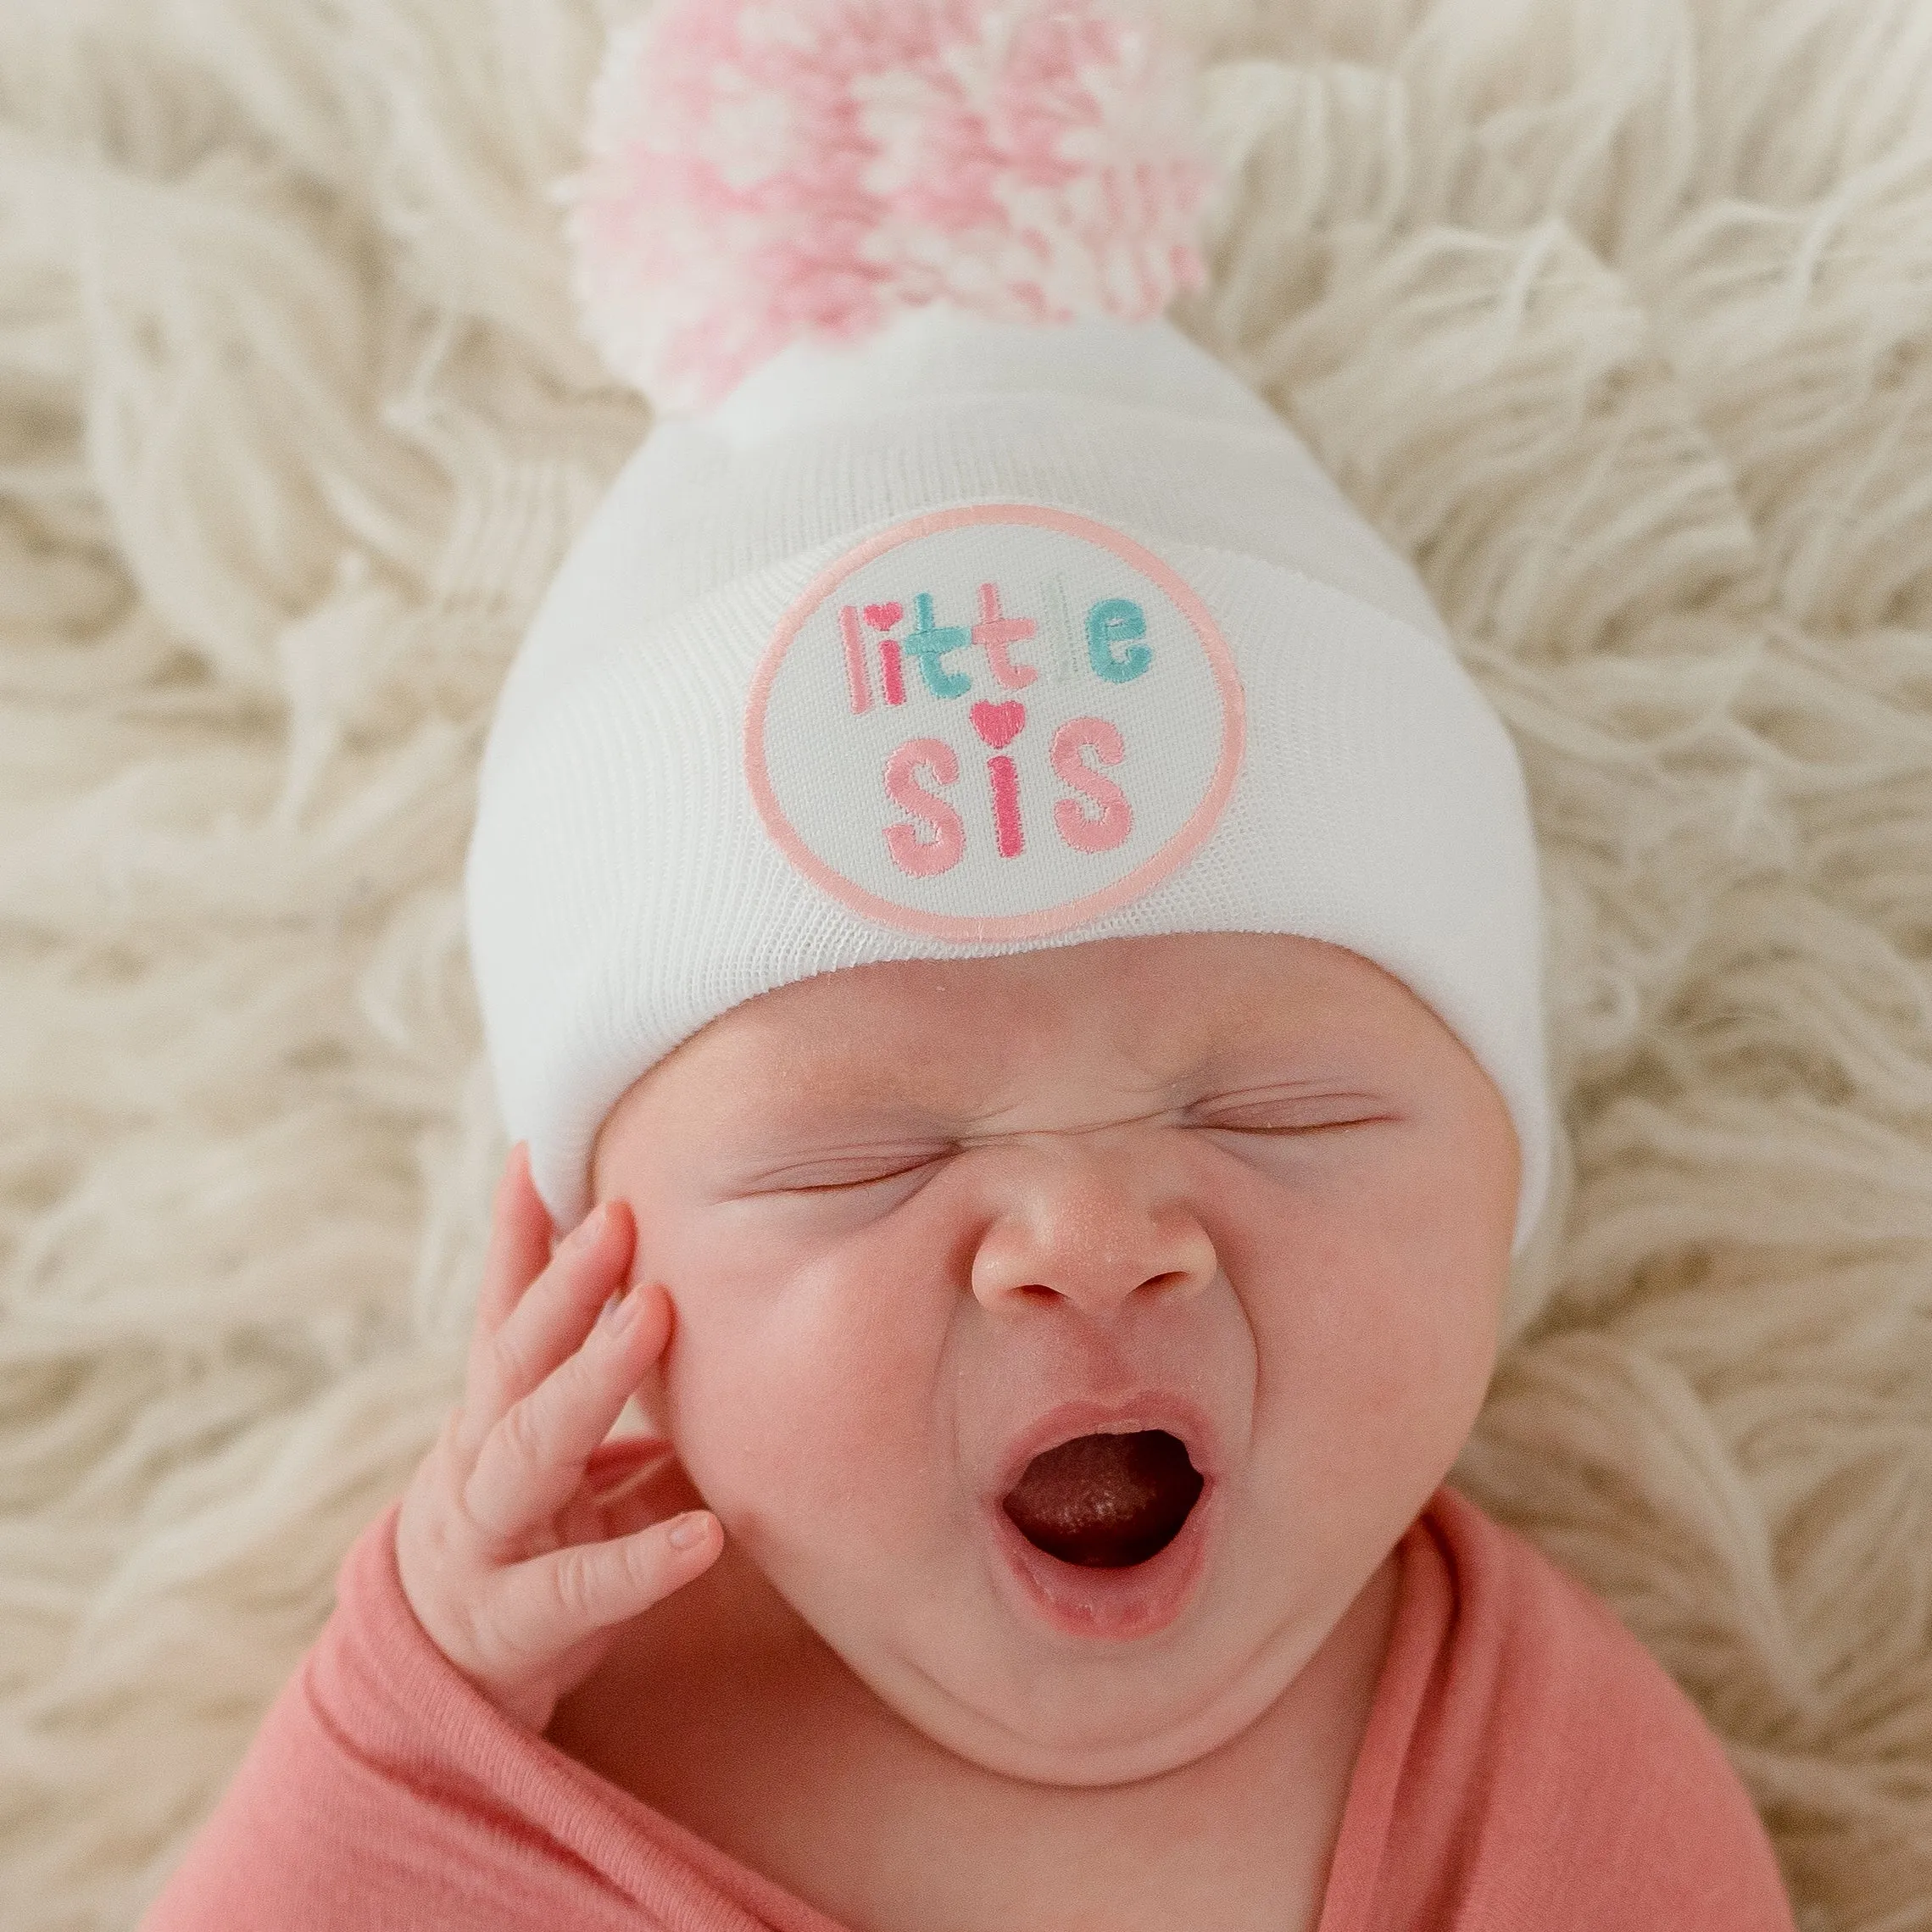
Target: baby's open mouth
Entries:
(1105, 1501)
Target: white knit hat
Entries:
(985, 612)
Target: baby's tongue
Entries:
(1105, 1501)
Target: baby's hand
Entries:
(516, 1561)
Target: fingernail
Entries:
(588, 1230)
(687, 1529)
(616, 1313)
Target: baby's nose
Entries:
(1090, 1230)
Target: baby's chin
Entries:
(1037, 1669)
(999, 1704)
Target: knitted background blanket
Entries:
(1616, 318)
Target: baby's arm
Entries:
(516, 1562)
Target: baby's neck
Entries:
(724, 1710)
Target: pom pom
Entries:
(763, 171)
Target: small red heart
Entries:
(999, 724)
(883, 616)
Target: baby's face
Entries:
(1238, 1195)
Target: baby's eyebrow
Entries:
(823, 1096)
(875, 1093)
(843, 1123)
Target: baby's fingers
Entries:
(541, 1608)
(548, 1321)
(520, 1242)
(533, 1461)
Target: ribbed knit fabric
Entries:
(626, 887)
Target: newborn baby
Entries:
(1009, 945)
(1066, 1341)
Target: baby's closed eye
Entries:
(1291, 1112)
(847, 1170)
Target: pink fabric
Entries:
(764, 171)
(1527, 1769)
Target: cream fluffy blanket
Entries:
(1617, 317)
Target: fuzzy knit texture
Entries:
(1617, 320)
(757, 173)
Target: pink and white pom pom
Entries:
(765, 171)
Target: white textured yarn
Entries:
(622, 889)
(1614, 317)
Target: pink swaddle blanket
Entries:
(1527, 1768)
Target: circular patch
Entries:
(994, 722)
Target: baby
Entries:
(1011, 945)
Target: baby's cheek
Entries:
(1418, 1377)
(1375, 1354)
(799, 1393)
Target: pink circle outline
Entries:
(1070, 912)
